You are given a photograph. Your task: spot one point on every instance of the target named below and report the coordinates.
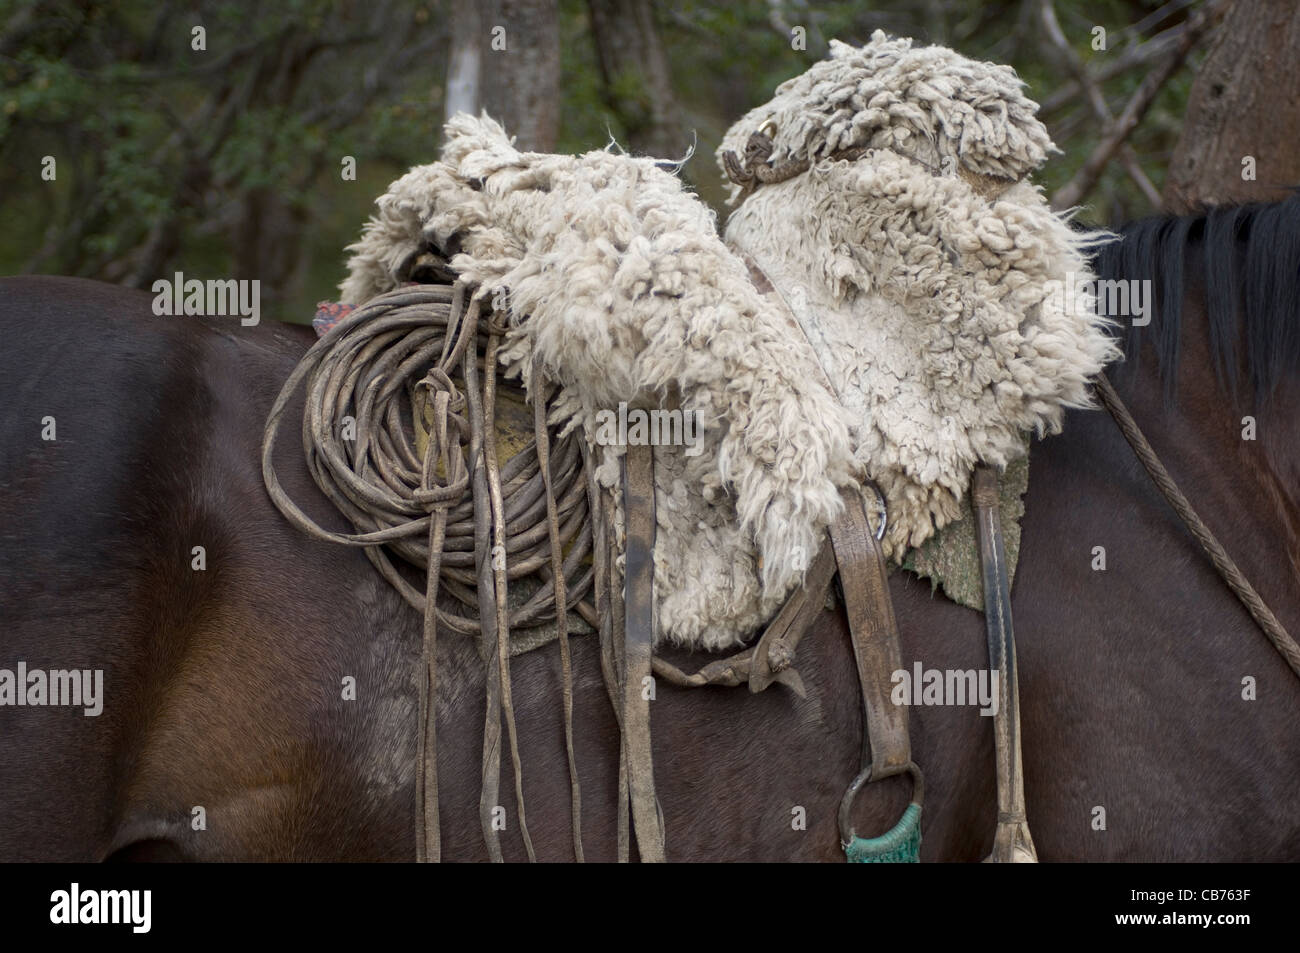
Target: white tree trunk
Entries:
(464, 86)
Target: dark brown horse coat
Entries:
(225, 688)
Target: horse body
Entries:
(218, 682)
(225, 687)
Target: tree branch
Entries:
(1056, 36)
(1074, 191)
(1145, 54)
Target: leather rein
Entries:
(1234, 578)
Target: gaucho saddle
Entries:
(885, 322)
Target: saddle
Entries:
(842, 406)
(623, 611)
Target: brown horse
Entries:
(231, 727)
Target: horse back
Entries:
(138, 542)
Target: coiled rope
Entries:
(454, 512)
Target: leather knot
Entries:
(780, 655)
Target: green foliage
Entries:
(586, 122)
(164, 152)
(228, 159)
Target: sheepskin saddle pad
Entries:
(916, 321)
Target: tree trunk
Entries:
(505, 58)
(636, 82)
(268, 241)
(521, 82)
(464, 62)
(1244, 105)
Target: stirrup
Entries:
(901, 844)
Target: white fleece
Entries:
(927, 300)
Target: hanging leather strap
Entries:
(864, 579)
(1012, 843)
(639, 515)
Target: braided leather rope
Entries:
(1236, 580)
(471, 524)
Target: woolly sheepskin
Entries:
(931, 104)
(950, 323)
(620, 287)
(925, 298)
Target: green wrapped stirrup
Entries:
(899, 845)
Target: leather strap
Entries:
(639, 515)
(1012, 843)
(864, 579)
(490, 788)
(773, 658)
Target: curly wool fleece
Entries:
(931, 104)
(951, 317)
(930, 306)
(620, 288)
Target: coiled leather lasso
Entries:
(454, 512)
(381, 366)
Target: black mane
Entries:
(1249, 256)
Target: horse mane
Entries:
(1249, 256)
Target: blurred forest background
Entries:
(229, 161)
